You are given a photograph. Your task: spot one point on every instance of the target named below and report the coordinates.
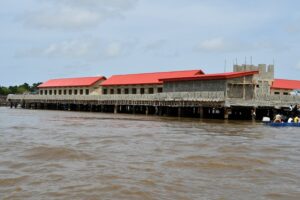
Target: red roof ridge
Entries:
(71, 82)
(143, 73)
(78, 77)
(147, 78)
(214, 75)
(283, 79)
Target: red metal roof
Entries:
(226, 75)
(147, 78)
(286, 84)
(71, 82)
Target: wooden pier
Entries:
(191, 104)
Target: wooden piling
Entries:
(200, 110)
(226, 113)
(115, 109)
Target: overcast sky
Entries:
(45, 39)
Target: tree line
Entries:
(19, 89)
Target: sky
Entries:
(46, 39)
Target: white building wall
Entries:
(281, 92)
(95, 89)
(138, 88)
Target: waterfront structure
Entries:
(232, 84)
(266, 83)
(244, 93)
(72, 86)
(144, 83)
(284, 86)
(263, 79)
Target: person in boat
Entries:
(277, 118)
(290, 120)
(296, 119)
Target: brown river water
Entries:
(77, 155)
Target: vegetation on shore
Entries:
(19, 89)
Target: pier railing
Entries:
(266, 100)
(172, 96)
(218, 96)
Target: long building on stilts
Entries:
(246, 92)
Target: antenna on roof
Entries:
(251, 60)
(273, 61)
(245, 60)
(236, 61)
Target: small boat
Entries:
(283, 124)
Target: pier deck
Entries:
(195, 100)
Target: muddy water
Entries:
(72, 155)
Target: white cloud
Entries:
(81, 49)
(155, 45)
(297, 65)
(71, 48)
(64, 49)
(64, 18)
(161, 47)
(214, 44)
(113, 49)
(96, 4)
(76, 14)
(219, 44)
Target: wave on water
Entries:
(55, 153)
(217, 162)
(4, 182)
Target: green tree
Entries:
(4, 91)
(22, 89)
(19, 89)
(13, 89)
(34, 87)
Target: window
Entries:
(41, 92)
(276, 93)
(133, 91)
(59, 92)
(285, 93)
(126, 91)
(75, 92)
(81, 91)
(150, 90)
(104, 91)
(112, 91)
(142, 90)
(159, 90)
(119, 91)
(55, 92)
(50, 92)
(70, 92)
(257, 86)
(65, 92)
(87, 91)
(46, 92)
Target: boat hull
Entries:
(284, 124)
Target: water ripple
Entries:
(74, 155)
